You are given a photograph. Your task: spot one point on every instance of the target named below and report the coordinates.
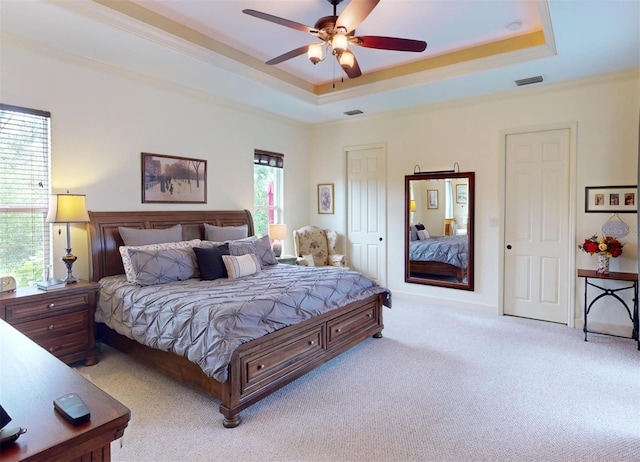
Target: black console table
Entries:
(605, 292)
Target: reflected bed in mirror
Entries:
(439, 219)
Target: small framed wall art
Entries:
(611, 199)
(461, 193)
(432, 198)
(171, 179)
(325, 198)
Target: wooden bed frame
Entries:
(437, 268)
(257, 368)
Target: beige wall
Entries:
(605, 110)
(103, 119)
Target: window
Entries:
(268, 168)
(25, 243)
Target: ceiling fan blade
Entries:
(390, 43)
(288, 55)
(353, 71)
(354, 13)
(281, 21)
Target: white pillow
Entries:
(241, 266)
(423, 234)
(309, 260)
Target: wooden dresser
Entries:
(31, 378)
(61, 321)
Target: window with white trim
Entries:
(268, 173)
(25, 185)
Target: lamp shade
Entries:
(412, 206)
(278, 231)
(67, 208)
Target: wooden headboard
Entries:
(105, 238)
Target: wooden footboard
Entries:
(437, 268)
(262, 366)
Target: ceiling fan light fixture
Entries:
(346, 60)
(314, 53)
(339, 43)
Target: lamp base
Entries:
(277, 248)
(69, 260)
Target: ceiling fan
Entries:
(337, 32)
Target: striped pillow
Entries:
(241, 266)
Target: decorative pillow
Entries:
(420, 227)
(259, 246)
(126, 259)
(244, 265)
(423, 235)
(225, 233)
(160, 266)
(210, 262)
(309, 260)
(413, 232)
(133, 236)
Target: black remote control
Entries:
(72, 408)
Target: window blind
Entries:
(267, 158)
(25, 249)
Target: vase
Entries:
(603, 264)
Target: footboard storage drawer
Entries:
(346, 327)
(269, 364)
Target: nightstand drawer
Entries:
(51, 305)
(65, 344)
(54, 326)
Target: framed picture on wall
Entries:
(171, 179)
(611, 199)
(325, 199)
(432, 198)
(461, 194)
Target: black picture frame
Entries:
(611, 199)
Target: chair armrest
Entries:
(337, 259)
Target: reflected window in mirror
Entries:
(439, 222)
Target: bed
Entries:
(443, 256)
(256, 366)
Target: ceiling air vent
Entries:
(529, 81)
(354, 112)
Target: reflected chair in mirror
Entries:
(315, 246)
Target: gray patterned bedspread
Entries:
(445, 249)
(206, 321)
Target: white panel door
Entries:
(537, 225)
(366, 211)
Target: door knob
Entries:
(380, 239)
(509, 247)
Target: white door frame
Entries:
(571, 286)
(345, 153)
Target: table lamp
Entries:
(68, 208)
(277, 233)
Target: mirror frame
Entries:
(470, 176)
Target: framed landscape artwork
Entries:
(171, 179)
(432, 198)
(611, 199)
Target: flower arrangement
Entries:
(606, 245)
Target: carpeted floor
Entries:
(442, 385)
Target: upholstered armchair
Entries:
(319, 246)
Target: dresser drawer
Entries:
(270, 364)
(65, 344)
(345, 327)
(56, 325)
(47, 306)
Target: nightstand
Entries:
(60, 321)
(287, 259)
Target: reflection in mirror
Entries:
(439, 223)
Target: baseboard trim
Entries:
(447, 303)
